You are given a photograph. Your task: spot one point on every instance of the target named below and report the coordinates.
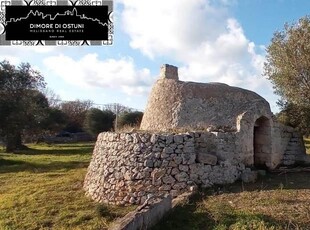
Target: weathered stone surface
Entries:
(178, 139)
(148, 163)
(158, 173)
(188, 158)
(175, 171)
(165, 187)
(179, 186)
(168, 180)
(206, 158)
(181, 177)
(183, 168)
(145, 216)
(168, 150)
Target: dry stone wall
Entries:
(126, 168)
(294, 152)
(288, 146)
(281, 137)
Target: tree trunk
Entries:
(14, 142)
(10, 147)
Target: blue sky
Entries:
(209, 40)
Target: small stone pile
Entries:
(126, 168)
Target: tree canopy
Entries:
(287, 66)
(130, 119)
(76, 113)
(288, 62)
(97, 121)
(22, 105)
(295, 116)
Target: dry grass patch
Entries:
(41, 188)
(273, 202)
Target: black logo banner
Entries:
(58, 24)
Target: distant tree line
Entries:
(29, 109)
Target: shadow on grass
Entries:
(44, 158)
(10, 166)
(110, 213)
(60, 150)
(272, 181)
(4, 162)
(191, 216)
(185, 216)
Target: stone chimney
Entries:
(169, 72)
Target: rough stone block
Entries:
(189, 149)
(181, 177)
(158, 173)
(169, 72)
(206, 158)
(175, 171)
(148, 163)
(169, 139)
(178, 139)
(168, 150)
(154, 138)
(188, 158)
(168, 180)
(179, 186)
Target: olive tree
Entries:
(287, 63)
(287, 66)
(22, 105)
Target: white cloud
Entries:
(230, 58)
(90, 72)
(201, 35)
(162, 27)
(17, 54)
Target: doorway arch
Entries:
(262, 142)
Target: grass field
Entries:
(275, 202)
(41, 188)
